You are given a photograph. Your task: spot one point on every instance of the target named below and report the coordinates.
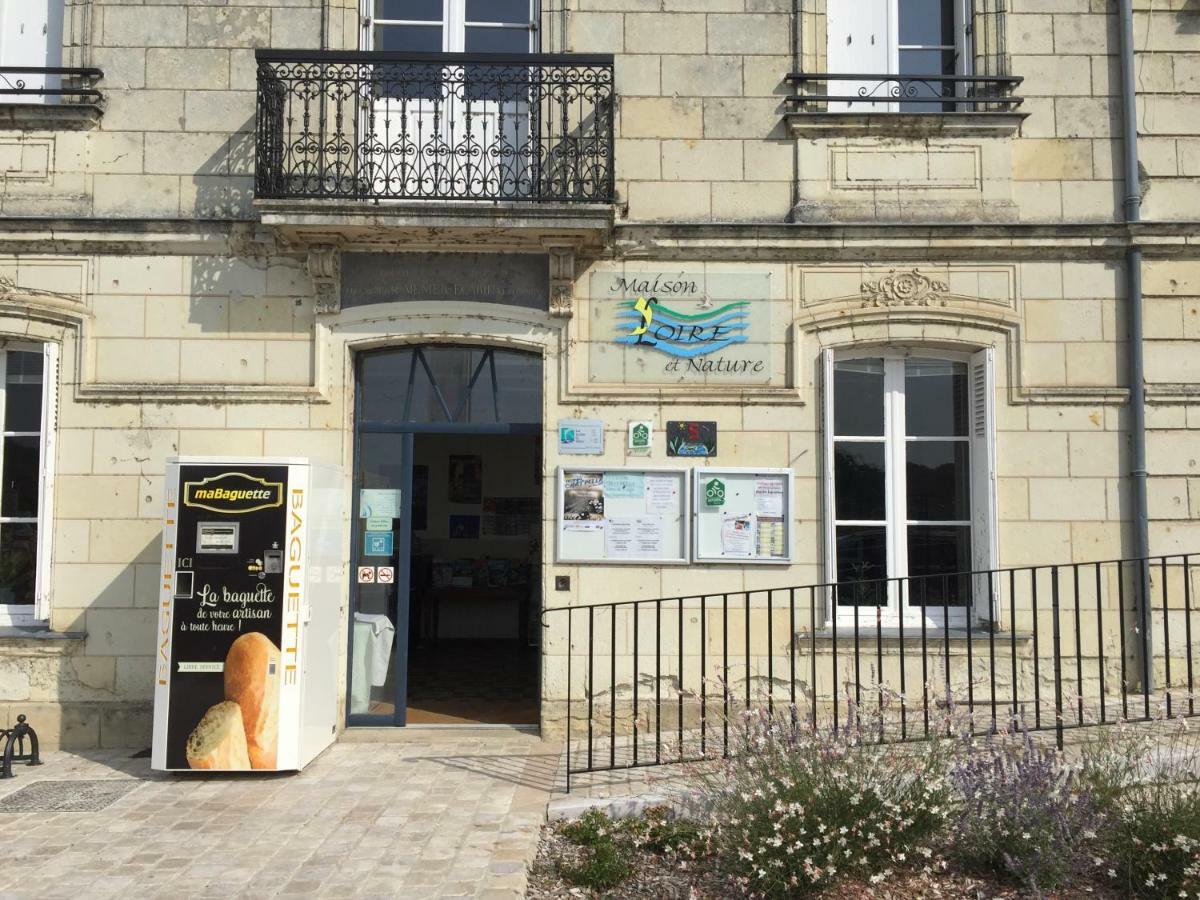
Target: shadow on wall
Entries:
(230, 294)
(1189, 18)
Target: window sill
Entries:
(805, 124)
(12, 633)
(49, 116)
(977, 633)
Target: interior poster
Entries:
(691, 326)
(227, 619)
(466, 479)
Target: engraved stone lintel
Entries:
(324, 267)
(912, 288)
(562, 279)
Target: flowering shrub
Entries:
(796, 808)
(1022, 815)
(1144, 780)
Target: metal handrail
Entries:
(17, 87)
(956, 93)
(995, 645)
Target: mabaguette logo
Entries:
(233, 492)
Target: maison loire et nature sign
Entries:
(681, 326)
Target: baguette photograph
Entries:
(219, 741)
(252, 681)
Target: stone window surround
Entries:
(810, 55)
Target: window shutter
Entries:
(984, 553)
(31, 35)
(50, 378)
(859, 41)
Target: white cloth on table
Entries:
(379, 650)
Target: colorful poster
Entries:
(738, 535)
(583, 497)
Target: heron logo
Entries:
(650, 323)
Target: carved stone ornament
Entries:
(324, 266)
(562, 281)
(905, 289)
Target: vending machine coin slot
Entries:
(273, 562)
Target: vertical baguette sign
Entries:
(229, 626)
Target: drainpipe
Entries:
(1136, 377)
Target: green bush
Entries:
(603, 867)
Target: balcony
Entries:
(383, 142)
(49, 98)
(827, 102)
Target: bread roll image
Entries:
(252, 681)
(219, 741)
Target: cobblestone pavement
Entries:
(434, 814)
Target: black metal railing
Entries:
(871, 93)
(439, 126)
(29, 83)
(649, 682)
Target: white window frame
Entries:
(31, 35)
(982, 479)
(39, 613)
(887, 16)
(453, 23)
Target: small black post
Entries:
(15, 738)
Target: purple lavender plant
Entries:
(1023, 815)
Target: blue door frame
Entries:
(405, 432)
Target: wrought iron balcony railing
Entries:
(37, 84)
(434, 126)
(921, 94)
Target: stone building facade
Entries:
(178, 301)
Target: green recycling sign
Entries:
(714, 493)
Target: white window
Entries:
(28, 402)
(450, 26)
(909, 485)
(31, 36)
(919, 40)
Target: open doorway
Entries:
(476, 532)
(447, 538)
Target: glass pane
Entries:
(930, 63)
(23, 392)
(372, 665)
(861, 565)
(939, 486)
(417, 10)
(409, 38)
(926, 22)
(498, 11)
(858, 398)
(858, 479)
(937, 555)
(20, 484)
(497, 40)
(18, 563)
(936, 401)
(514, 397)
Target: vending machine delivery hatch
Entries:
(252, 575)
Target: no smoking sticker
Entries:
(385, 574)
(366, 574)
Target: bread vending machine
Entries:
(252, 573)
